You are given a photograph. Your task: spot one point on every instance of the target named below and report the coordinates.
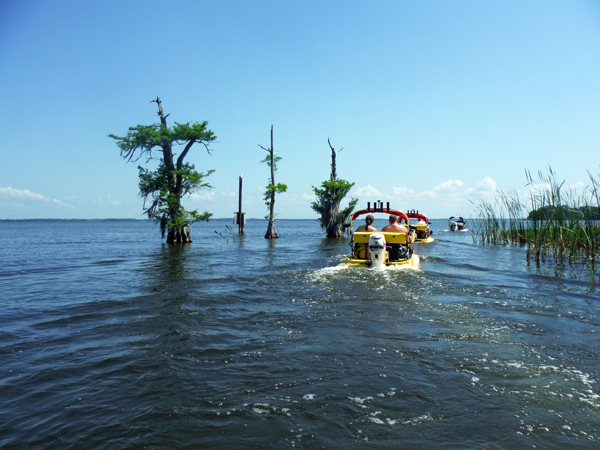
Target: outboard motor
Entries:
(377, 253)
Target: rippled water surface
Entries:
(111, 339)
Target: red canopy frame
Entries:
(417, 216)
(391, 212)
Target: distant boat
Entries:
(421, 230)
(457, 223)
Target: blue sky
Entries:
(435, 104)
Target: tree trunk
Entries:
(178, 236)
(333, 155)
(271, 233)
(333, 229)
(175, 235)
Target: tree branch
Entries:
(333, 166)
(184, 153)
(163, 118)
(332, 147)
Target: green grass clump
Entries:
(555, 222)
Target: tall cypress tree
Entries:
(272, 189)
(163, 189)
(329, 196)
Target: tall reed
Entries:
(555, 222)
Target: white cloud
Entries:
(427, 195)
(486, 187)
(207, 196)
(450, 185)
(567, 191)
(487, 184)
(400, 192)
(539, 187)
(309, 197)
(406, 193)
(368, 191)
(101, 201)
(26, 195)
(575, 187)
(445, 198)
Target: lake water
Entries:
(111, 339)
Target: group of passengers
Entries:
(393, 227)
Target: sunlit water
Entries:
(110, 339)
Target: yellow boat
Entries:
(388, 250)
(421, 228)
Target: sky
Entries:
(435, 105)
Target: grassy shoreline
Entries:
(568, 229)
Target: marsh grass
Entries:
(554, 223)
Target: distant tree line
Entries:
(551, 212)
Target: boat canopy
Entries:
(391, 212)
(456, 218)
(414, 215)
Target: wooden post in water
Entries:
(240, 213)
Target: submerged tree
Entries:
(271, 189)
(329, 197)
(163, 189)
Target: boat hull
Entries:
(426, 240)
(412, 263)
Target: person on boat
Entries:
(420, 233)
(395, 227)
(361, 250)
(367, 226)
